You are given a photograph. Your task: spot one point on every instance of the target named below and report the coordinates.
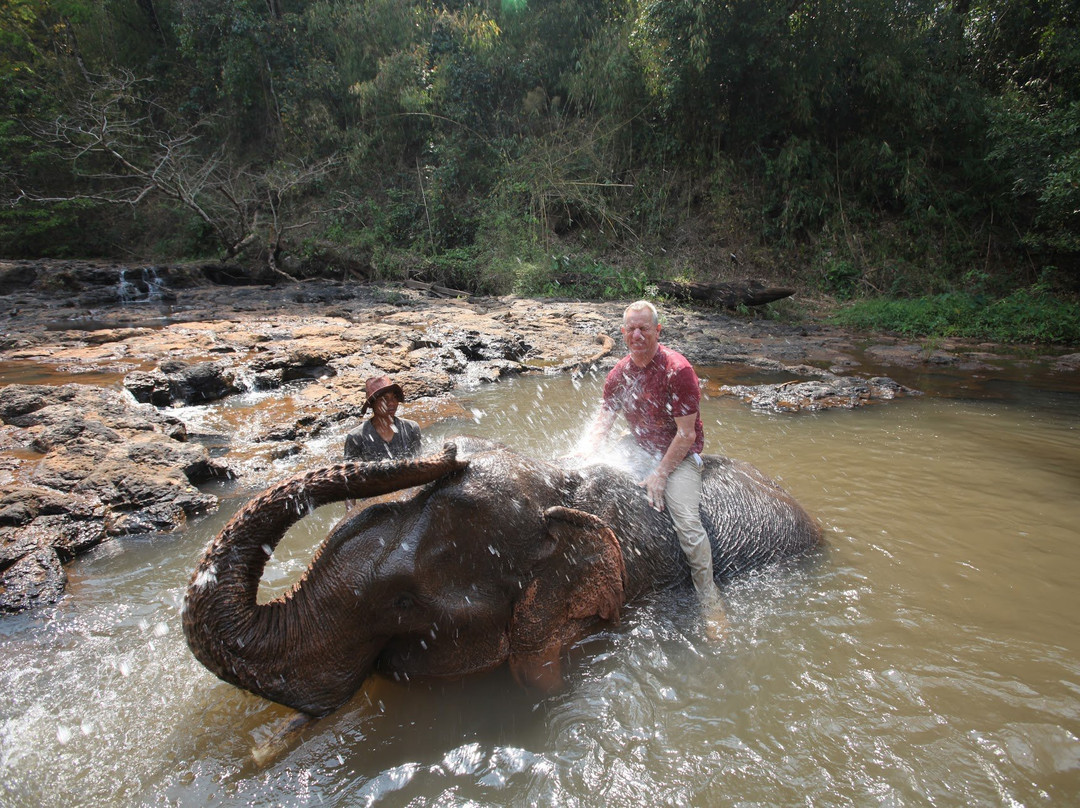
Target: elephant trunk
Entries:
(272, 649)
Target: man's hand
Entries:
(592, 438)
(656, 482)
(654, 486)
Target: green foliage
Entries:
(457, 269)
(63, 230)
(1026, 315)
(1036, 149)
(868, 147)
(841, 279)
(570, 276)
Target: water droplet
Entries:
(63, 734)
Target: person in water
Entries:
(656, 390)
(384, 435)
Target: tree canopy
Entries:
(862, 147)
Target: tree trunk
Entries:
(729, 295)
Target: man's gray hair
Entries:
(643, 305)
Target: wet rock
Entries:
(475, 345)
(35, 579)
(67, 534)
(845, 392)
(67, 466)
(913, 355)
(273, 371)
(20, 399)
(177, 383)
(89, 464)
(160, 517)
(21, 505)
(150, 482)
(1067, 362)
(286, 451)
(14, 544)
(97, 413)
(15, 514)
(69, 426)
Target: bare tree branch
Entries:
(118, 153)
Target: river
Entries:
(929, 656)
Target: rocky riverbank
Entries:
(92, 450)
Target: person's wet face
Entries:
(385, 406)
(641, 334)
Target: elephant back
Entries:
(650, 548)
(751, 520)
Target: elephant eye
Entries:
(404, 601)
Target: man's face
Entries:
(386, 405)
(641, 336)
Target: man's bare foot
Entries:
(716, 624)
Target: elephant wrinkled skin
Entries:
(493, 558)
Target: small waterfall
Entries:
(127, 292)
(155, 286)
(143, 285)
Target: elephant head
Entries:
(465, 573)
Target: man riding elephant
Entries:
(656, 390)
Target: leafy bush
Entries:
(842, 278)
(1027, 315)
(567, 276)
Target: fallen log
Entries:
(435, 289)
(729, 295)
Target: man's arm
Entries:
(596, 433)
(684, 438)
(353, 448)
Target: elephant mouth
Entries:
(459, 652)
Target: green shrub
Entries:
(1027, 315)
(567, 276)
(841, 279)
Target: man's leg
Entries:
(682, 497)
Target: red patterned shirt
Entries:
(652, 397)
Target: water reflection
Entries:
(928, 657)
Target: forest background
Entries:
(920, 159)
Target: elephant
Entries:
(482, 557)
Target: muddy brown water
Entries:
(930, 656)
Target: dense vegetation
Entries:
(864, 149)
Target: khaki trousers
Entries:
(682, 496)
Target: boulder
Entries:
(35, 579)
(177, 383)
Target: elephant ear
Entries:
(580, 577)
